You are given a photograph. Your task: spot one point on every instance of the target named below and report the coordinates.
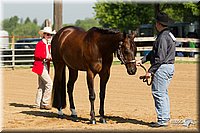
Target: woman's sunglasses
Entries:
(48, 34)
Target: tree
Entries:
(123, 15)
(87, 23)
(15, 26)
(27, 20)
(10, 24)
(35, 21)
(129, 15)
(27, 29)
(182, 12)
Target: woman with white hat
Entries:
(42, 57)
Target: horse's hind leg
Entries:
(73, 74)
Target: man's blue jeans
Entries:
(160, 85)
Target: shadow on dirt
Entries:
(50, 114)
(119, 119)
(21, 105)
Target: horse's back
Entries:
(66, 33)
(67, 45)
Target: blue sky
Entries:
(43, 9)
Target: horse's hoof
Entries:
(92, 121)
(61, 116)
(74, 116)
(102, 120)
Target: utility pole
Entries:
(156, 9)
(47, 23)
(57, 14)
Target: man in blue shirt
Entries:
(162, 58)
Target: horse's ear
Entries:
(133, 34)
(124, 34)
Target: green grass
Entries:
(186, 62)
(116, 62)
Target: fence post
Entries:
(13, 51)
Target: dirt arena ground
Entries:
(129, 104)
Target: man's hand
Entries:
(148, 75)
(138, 62)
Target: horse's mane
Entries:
(105, 30)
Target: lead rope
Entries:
(144, 77)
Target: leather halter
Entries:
(121, 56)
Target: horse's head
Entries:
(127, 51)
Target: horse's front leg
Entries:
(90, 83)
(104, 76)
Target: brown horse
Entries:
(90, 51)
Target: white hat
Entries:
(47, 30)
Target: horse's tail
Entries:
(59, 82)
(59, 87)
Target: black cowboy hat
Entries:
(164, 19)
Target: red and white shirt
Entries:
(41, 53)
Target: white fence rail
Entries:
(179, 49)
(16, 57)
(182, 49)
(25, 57)
(151, 39)
(11, 59)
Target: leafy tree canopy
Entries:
(87, 23)
(182, 12)
(10, 24)
(17, 27)
(123, 15)
(27, 29)
(126, 15)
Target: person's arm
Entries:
(147, 57)
(160, 55)
(144, 59)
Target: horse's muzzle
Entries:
(131, 71)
